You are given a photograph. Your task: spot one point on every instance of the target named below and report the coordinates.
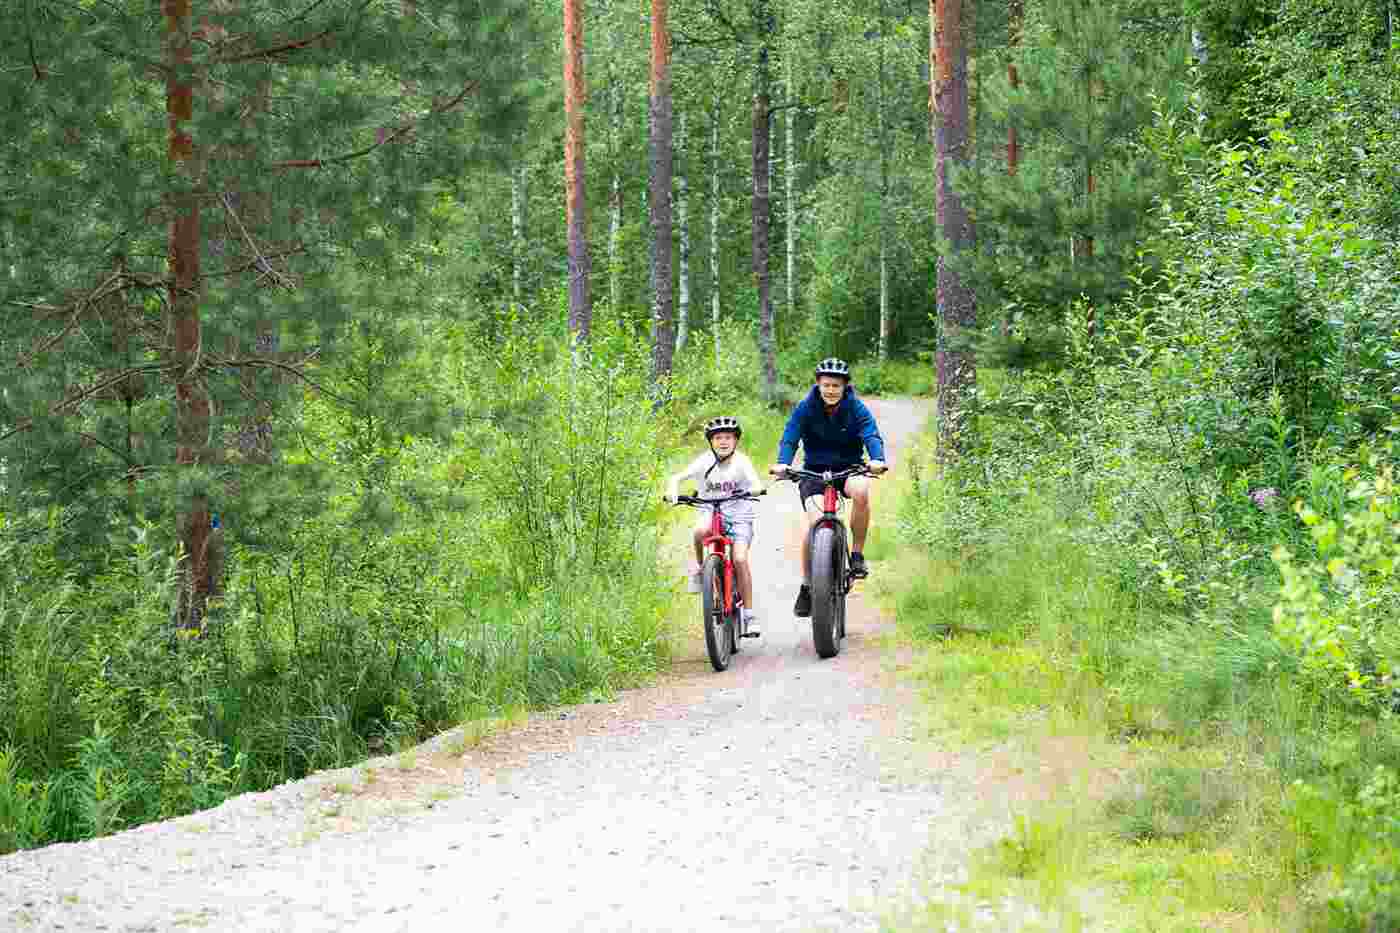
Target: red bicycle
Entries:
(831, 576)
(720, 600)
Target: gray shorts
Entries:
(739, 530)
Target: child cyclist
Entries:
(720, 473)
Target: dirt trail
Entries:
(785, 794)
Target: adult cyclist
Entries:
(834, 427)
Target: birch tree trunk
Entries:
(763, 17)
(663, 308)
(957, 307)
(883, 346)
(576, 207)
(790, 203)
(192, 410)
(683, 218)
(714, 224)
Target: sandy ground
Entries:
(788, 793)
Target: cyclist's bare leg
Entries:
(858, 489)
(702, 531)
(809, 518)
(742, 570)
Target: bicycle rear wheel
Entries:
(718, 633)
(828, 595)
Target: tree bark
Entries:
(191, 401)
(790, 217)
(714, 224)
(576, 207)
(662, 307)
(763, 18)
(957, 307)
(883, 345)
(683, 219)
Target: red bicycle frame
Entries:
(717, 542)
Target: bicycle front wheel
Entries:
(718, 642)
(828, 595)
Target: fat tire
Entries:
(828, 598)
(719, 634)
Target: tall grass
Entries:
(509, 562)
(1227, 784)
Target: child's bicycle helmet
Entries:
(831, 366)
(723, 423)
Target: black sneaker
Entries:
(803, 607)
(858, 568)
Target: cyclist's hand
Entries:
(669, 497)
(877, 467)
(778, 469)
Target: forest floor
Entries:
(788, 793)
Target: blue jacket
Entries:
(831, 443)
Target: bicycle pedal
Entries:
(750, 634)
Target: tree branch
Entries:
(250, 362)
(388, 137)
(83, 395)
(275, 50)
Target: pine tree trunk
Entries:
(191, 401)
(663, 308)
(576, 206)
(714, 224)
(790, 206)
(957, 373)
(763, 17)
(683, 218)
(883, 347)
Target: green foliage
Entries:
(1336, 612)
(1066, 225)
(504, 559)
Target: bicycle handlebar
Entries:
(793, 474)
(696, 500)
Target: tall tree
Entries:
(791, 221)
(683, 220)
(762, 114)
(191, 399)
(167, 270)
(714, 224)
(882, 120)
(957, 305)
(663, 307)
(576, 205)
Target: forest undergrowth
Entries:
(508, 561)
(1176, 546)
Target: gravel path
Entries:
(785, 794)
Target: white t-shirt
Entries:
(717, 480)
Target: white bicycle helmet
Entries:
(831, 366)
(723, 423)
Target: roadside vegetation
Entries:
(1176, 542)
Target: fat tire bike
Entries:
(721, 603)
(828, 546)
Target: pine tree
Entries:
(151, 280)
(1068, 217)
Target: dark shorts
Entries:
(813, 487)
